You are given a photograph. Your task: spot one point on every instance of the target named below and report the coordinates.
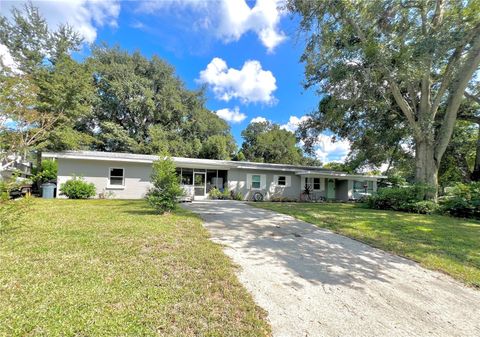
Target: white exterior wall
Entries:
(137, 179)
(239, 180)
(136, 183)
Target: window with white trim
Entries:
(282, 181)
(116, 176)
(313, 183)
(256, 181)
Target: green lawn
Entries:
(114, 268)
(436, 242)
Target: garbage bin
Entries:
(48, 190)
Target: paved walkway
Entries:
(313, 282)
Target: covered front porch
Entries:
(318, 186)
(197, 182)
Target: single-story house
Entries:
(127, 176)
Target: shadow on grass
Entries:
(451, 243)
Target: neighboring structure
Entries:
(13, 164)
(128, 176)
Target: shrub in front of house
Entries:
(77, 188)
(406, 199)
(47, 172)
(424, 207)
(216, 194)
(463, 200)
(166, 190)
(236, 195)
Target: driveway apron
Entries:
(313, 282)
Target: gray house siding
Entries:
(238, 180)
(272, 180)
(136, 183)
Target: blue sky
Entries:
(246, 53)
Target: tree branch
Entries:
(406, 109)
(452, 62)
(464, 75)
(413, 96)
(438, 16)
(447, 77)
(472, 97)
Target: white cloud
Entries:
(329, 151)
(294, 122)
(231, 19)
(259, 120)
(263, 19)
(250, 84)
(85, 16)
(234, 116)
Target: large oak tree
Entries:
(418, 55)
(144, 107)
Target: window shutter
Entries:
(288, 182)
(249, 181)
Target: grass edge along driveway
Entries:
(114, 268)
(442, 243)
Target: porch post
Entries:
(350, 189)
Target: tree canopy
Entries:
(143, 107)
(267, 142)
(404, 62)
(47, 95)
(112, 101)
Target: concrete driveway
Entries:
(313, 282)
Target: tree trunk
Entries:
(426, 167)
(476, 168)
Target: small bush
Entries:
(166, 190)
(424, 207)
(463, 200)
(236, 195)
(47, 171)
(406, 199)
(77, 188)
(106, 195)
(216, 194)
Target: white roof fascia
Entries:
(338, 175)
(86, 157)
(247, 167)
(148, 159)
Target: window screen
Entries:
(116, 176)
(255, 181)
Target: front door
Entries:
(331, 189)
(199, 186)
